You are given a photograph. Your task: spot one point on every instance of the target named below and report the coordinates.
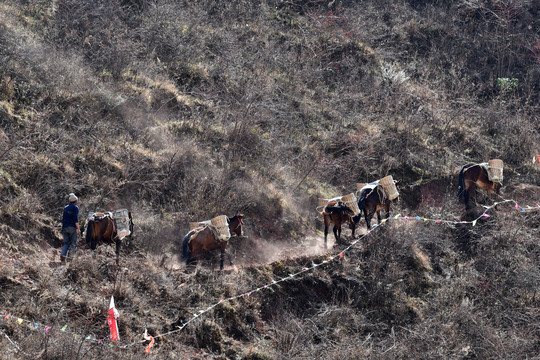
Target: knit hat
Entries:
(72, 197)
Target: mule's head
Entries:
(497, 185)
(235, 224)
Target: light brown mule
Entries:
(203, 239)
(474, 176)
(103, 230)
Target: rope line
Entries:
(304, 270)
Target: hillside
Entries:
(181, 111)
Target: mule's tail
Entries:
(185, 242)
(357, 218)
(461, 190)
(360, 206)
(89, 234)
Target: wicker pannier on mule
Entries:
(495, 170)
(222, 225)
(351, 202)
(389, 187)
(323, 203)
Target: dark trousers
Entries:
(70, 241)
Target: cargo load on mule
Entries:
(218, 225)
(208, 235)
(375, 197)
(488, 176)
(122, 220)
(386, 186)
(337, 211)
(348, 200)
(108, 227)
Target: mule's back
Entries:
(100, 228)
(337, 215)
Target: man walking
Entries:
(70, 228)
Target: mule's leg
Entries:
(378, 217)
(230, 257)
(470, 187)
(118, 245)
(352, 225)
(221, 264)
(194, 254)
(335, 230)
(368, 217)
(468, 197)
(326, 225)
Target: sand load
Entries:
(351, 202)
(389, 187)
(222, 226)
(323, 203)
(196, 224)
(360, 186)
(219, 226)
(348, 200)
(495, 170)
(121, 218)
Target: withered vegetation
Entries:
(184, 110)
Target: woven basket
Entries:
(122, 213)
(220, 220)
(196, 224)
(495, 170)
(359, 186)
(389, 187)
(222, 225)
(351, 202)
(323, 202)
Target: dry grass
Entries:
(182, 111)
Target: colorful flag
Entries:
(111, 320)
(149, 338)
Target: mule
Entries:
(337, 215)
(474, 176)
(204, 239)
(372, 201)
(102, 228)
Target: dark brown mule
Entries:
(337, 215)
(102, 228)
(203, 239)
(472, 176)
(372, 201)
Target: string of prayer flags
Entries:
(111, 320)
(49, 330)
(113, 313)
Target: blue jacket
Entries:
(71, 215)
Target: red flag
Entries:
(111, 320)
(149, 338)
